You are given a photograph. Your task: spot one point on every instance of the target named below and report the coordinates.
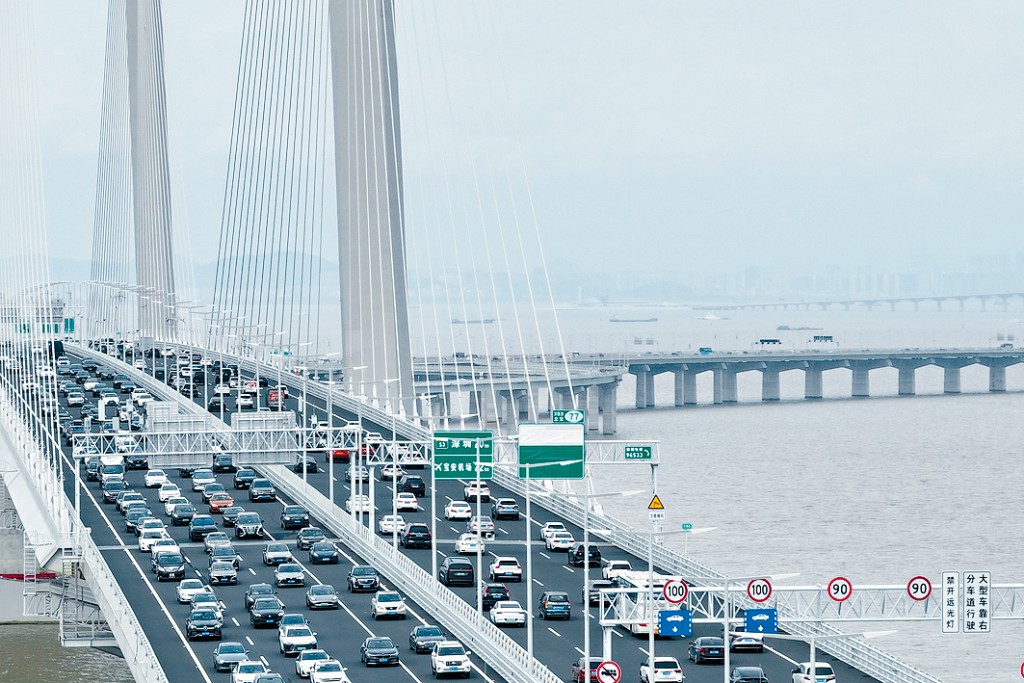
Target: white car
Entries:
(550, 528)
(457, 510)
(330, 671)
(168, 491)
(248, 672)
(139, 364)
(155, 479)
(126, 444)
(469, 544)
(481, 525)
(222, 390)
(173, 502)
(200, 478)
(245, 401)
(613, 568)
(165, 545)
(508, 613)
(189, 587)
(449, 657)
(505, 568)
(295, 639)
(560, 540)
(358, 503)
(390, 470)
(406, 502)
(389, 524)
(388, 604)
(823, 673)
(142, 397)
(307, 659)
(472, 492)
(150, 536)
(666, 670)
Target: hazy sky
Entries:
(686, 136)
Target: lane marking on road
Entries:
(265, 662)
(235, 621)
(503, 531)
(568, 569)
(578, 650)
(538, 582)
(771, 649)
(249, 640)
(555, 632)
(614, 632)
(252, 571)
(543, 554)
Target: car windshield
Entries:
(251, 668)
(168, 558)
(298, 631)
(329, 666)
(203, 614)
(266, 603)
(364, 571)
(249, 518)
(231, 648)
(322, 590)
(389, 597)
(191, 584)
(558, 597)
(277, 548)
(379, 643)
(315, 654)
(289, 568)
(425, 632)
(453, 650)
(666, 664)
(823, 670)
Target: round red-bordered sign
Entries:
(759, 590)
(1022, 670)
(609, 672)
(675, 591)
(840, 589)
(919, 588)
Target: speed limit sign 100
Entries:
(675, 591)
(840, 589)
(759, 590)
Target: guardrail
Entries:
(856, 653)
(475, 631)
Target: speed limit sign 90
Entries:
(919, 588)
(840, 589)
(759, 590)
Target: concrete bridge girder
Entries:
(997, 372)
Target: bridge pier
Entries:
(951, 373)
(770, 383)
(644, 383)
(593, 408)
(729, 385)
(861, 385)
(812, 382)
(996, 373)
(607, 394)
(677, 376)
(689, 388)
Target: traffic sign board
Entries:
(759, 590)
(609, 672)
(655, 515)
(655, 504)
(638, 452)
(567, 416)
(675, 591)
(457, 453)
(761, 620)
(840, 589)
(553, 451)
(675, 622)
(919, 588)
(687, 526)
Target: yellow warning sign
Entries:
(655, 504)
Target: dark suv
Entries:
(416, 536)
(412, 483)
(494, 592)
(575, 556)
(363, 578)
(200, 526)
(262, 490)
(294, 517)
(554, 605)
(244, 477)
(456, 571)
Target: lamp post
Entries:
(867, 635)
(727, 610)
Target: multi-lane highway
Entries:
(556, 644)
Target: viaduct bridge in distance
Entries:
(938, 301)
(726, 366)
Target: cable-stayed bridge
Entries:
(315, 164)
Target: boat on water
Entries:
(712, 316)
(482, 321)
(617, 319)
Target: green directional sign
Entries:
(687, 526)
(567, 416)
(552, 451)
(457, 453)
(638, 452)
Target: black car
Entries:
(492, 593)
(377, 651)
(504, 508)
(136, 461)
(230, 514)
(707, 649)
(262, 490)
(224, 553)
(422, 638)
(182, 514)
(575, 556)
(311, 466)
(308, 536)
(256, 591)
(224, 463)
(244, 478)
(416, 536)
(186, 472)
(412, 483)
(131, 520)
(265, 611)
(554, 605)
(363, 578)
(92, 469)
(168, 566)
(456, 571)
(294, 517)
(216, 405)
(112, 488)
(323, 552)
(200, 526)
(203, 623)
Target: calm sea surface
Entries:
(877, 490)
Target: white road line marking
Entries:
(538, 582)
(265, 662)
(249, 640)
(503, 531)
(568, 569)
(252, 571)
(617, 633)
(771, 649)
(555, 632)
(235, 621)
(544, 555)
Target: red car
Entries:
(577, 670)
(342, 455)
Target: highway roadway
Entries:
(556, 644)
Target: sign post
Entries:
(675, 622)
(656, 510)
(608, 672)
